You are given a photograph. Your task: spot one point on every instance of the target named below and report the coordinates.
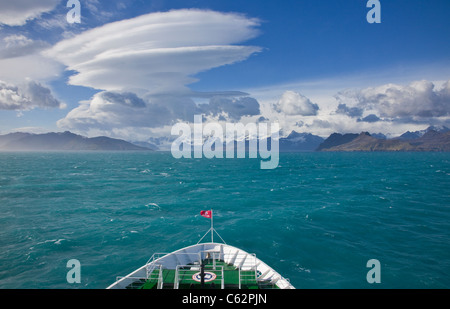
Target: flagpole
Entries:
(209, 214)
(212, 227)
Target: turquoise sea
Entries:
(317, 219)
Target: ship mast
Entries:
(212, 230)
(212, 226)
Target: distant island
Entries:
(65, 141)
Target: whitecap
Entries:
(46, 241)
(153, 206)
(54, 241)
(58, 242)
(302, 269)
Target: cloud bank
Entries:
(418, 100)
(143, 68)
(26, 97)
(108, 110)
(18, 12)
(21, 61)
(391, 109)
(22, 69)
(230, 108)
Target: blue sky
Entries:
(133, 68)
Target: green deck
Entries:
(231, 277)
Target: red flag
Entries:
(206, 213)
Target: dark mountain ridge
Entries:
(65, 141)
(431, 140)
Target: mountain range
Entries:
(431, 139)
(298, 142)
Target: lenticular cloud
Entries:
(156, 53)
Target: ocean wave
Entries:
(55, 241)
(153, 206)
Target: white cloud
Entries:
(157, 52)
(18, 12)
(18, 71)
(21, 59)
(419, 99)
(230, 108)
(104, 110)
(293, 103)
(151, 59)
(292, 111)
(108, 110)
(27, 96)
(19, 45)
(422, 104)
(22, 71)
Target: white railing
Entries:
(249, 267)
(247, 275)
(160, 279)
